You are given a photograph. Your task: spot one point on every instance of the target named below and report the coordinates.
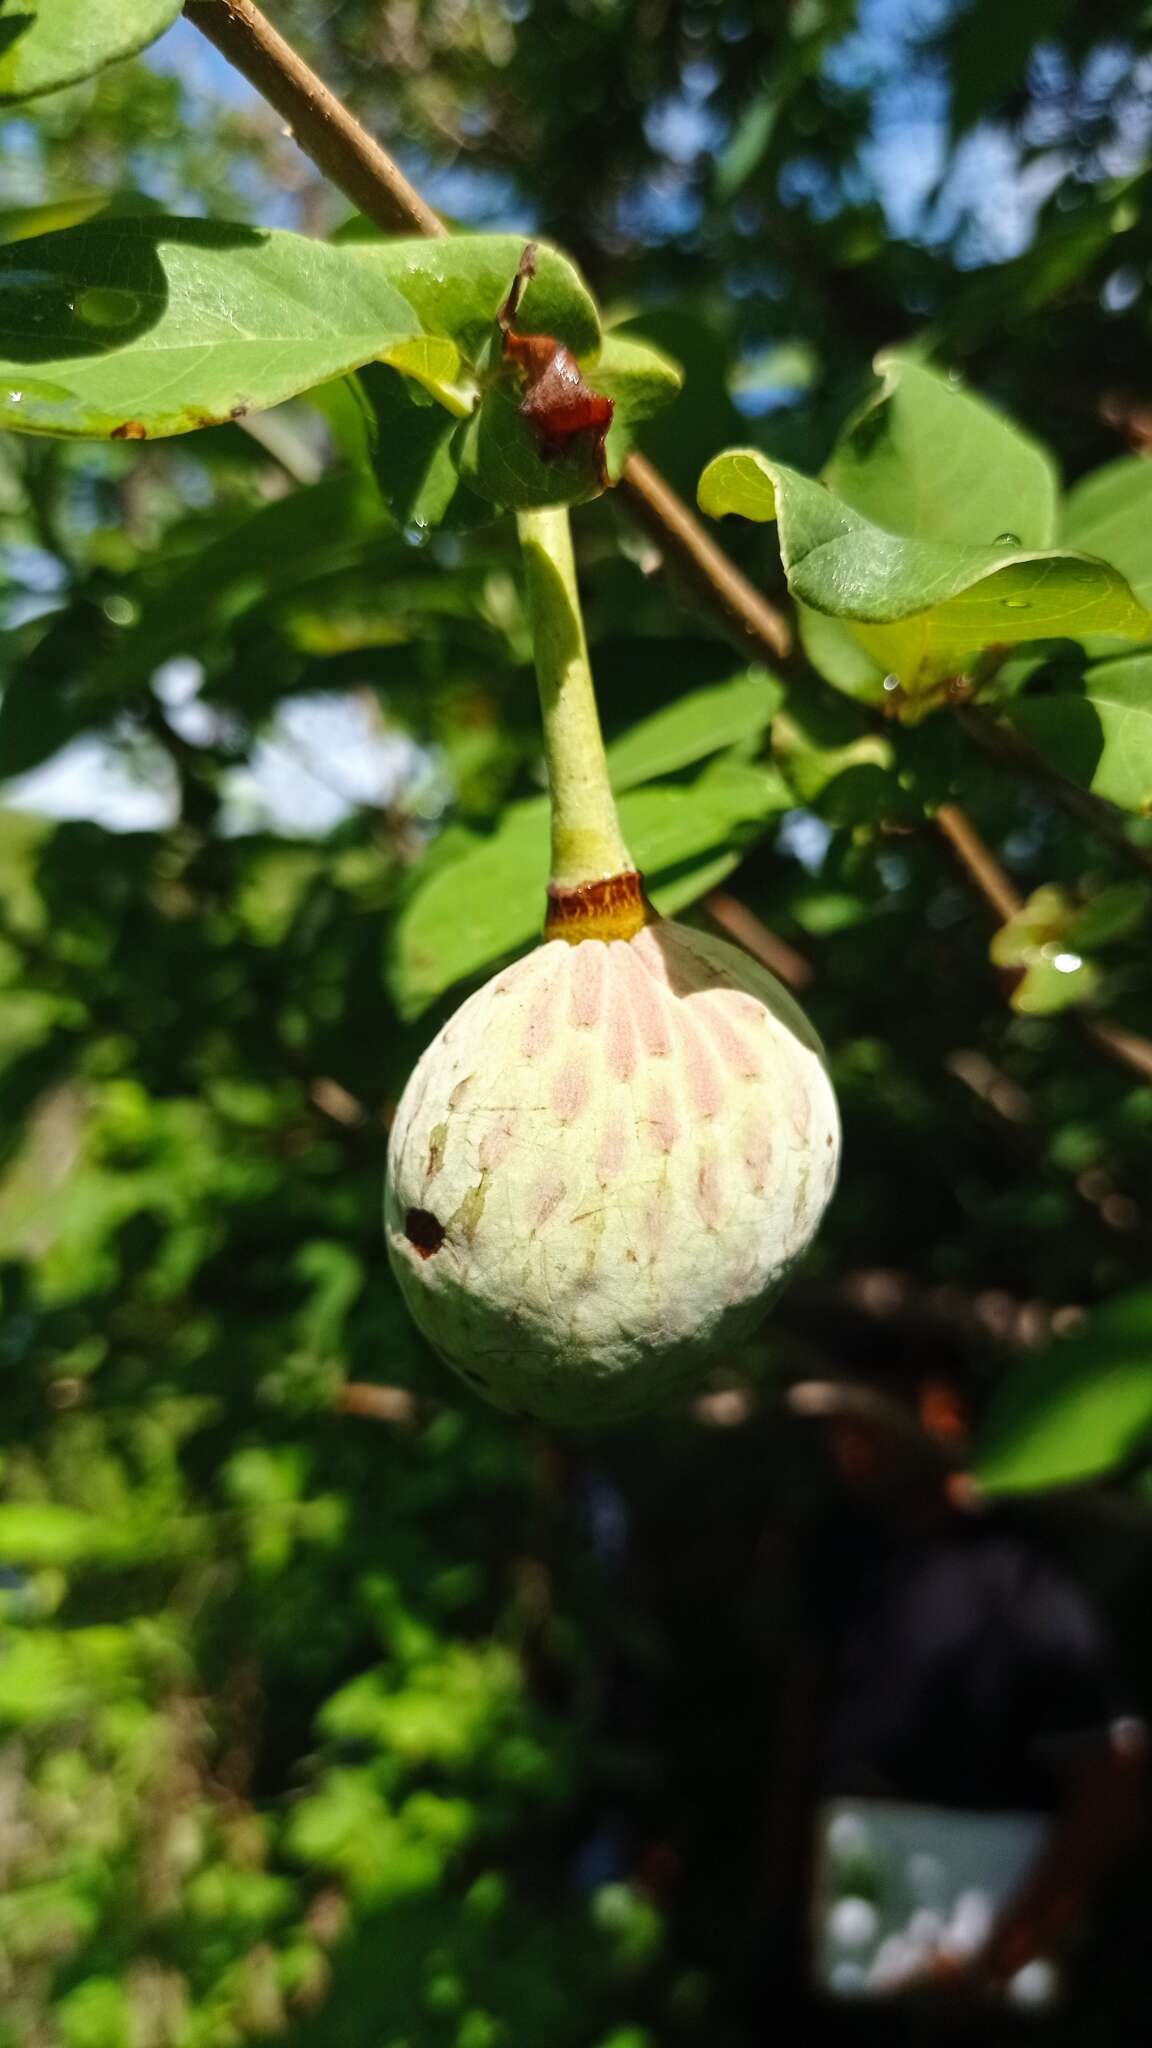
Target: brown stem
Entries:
(353, 160)
(978, 861)
(318, 121)
(671, 522)
(380, 1404)
(741, 924)
(1125, 1046)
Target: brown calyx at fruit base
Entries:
(615, 907)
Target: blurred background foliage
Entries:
(332, 1706)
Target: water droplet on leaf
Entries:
(1016, 604)
(106, 306)
(891, 683)
(416, 533)
(1007, 540)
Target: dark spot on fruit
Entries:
(238, 412)
(130, 430)
(828, 1139)
(425, 1232)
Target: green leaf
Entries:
(490, 902)
(1038, 939)
(1110, 514)
(45, 44)
(1073, 1409)
(1100, 734)
(457, 286)
(925, 609)
(499, 458)
(434, 470)
(1043, 920)
(702, 723)
(46, 1533)
(932, 461)
(136, 327)
(20, 223)
(1064, 981)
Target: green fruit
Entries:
(603, 1169)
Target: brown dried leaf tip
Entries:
(558, 404)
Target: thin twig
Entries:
(1125, 1046)
(317, 120)
(675, 526)
(979, 862)
(379, 1404)
(765, 945)
(345, 152)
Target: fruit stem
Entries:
(588, 847)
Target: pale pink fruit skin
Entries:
(629, 1145)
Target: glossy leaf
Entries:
(1100, 734)
(930, 460)
(45, 44)
(134, 327)
(925, 609)
(487, 454)
(1074, 1409)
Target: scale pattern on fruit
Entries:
(605, 1166)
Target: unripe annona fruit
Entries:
(605, 1166)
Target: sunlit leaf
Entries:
(932, 461)
(925, 609)
(45, 44)
(129, 328)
